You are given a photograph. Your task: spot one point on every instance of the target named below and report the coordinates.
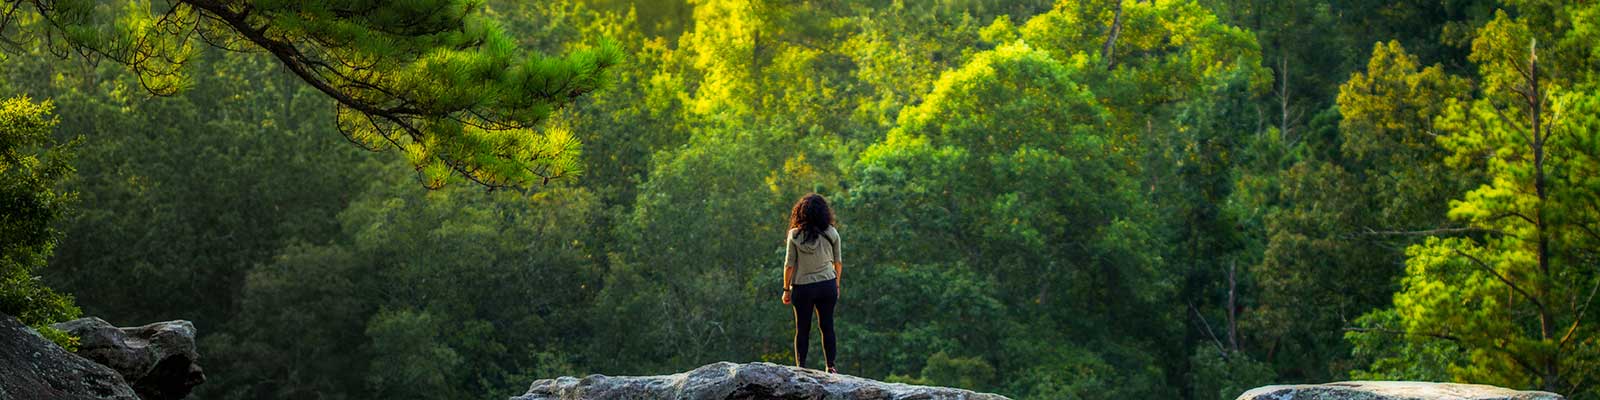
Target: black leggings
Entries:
(821, 296)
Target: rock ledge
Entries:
(32, 367)
(159, 360)
(1393, 390)
(725, 380)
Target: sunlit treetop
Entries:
(433, 78)
(1164, 51)
(1010, 97)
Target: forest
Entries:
(1097, 199)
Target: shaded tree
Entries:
(32, 167)
(433, 79)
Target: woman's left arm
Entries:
(838, 263)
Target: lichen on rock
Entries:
(32, 367)
(1393, 390)
(726, 381)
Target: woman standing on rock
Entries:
(811, 271)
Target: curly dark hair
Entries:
(811, 216)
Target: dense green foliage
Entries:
(435, 79)
(1509, 300)
(1084, 200)
(32, 166)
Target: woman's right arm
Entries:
(789, 262)
(788, 277)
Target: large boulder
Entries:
(159, 359)
(32, 367)
(1392, 390)
(727, 381)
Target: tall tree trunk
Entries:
(1107, 50)
(1283, 93)
(1233, 319)
(1535, 99)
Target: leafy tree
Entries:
(900, 48)
(1222, 375)
(1337, 237)
(476, 291)
(300, 328)
(926, 323)
(444, 85)
(218, 178)
(32, 167)
(1005, 160)
(1514, 296)
(410, 359)
(1310, 44)
(1180, 88)
(1213, 232)
(703, 298)
(1165, 53)
(1387, 356)
(1387, 121)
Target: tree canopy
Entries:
(434, 79)
(32, 166)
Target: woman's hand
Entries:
(786, 297)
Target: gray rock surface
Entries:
(1393, 390)
(32, 367)
(728, 381)
(159, 360)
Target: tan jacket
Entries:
(813, 261)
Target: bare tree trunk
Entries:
(1207, 325)
(1552, 371)
(1233, 318)
(755, 75)
(1107, 49)
(1283, 95)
